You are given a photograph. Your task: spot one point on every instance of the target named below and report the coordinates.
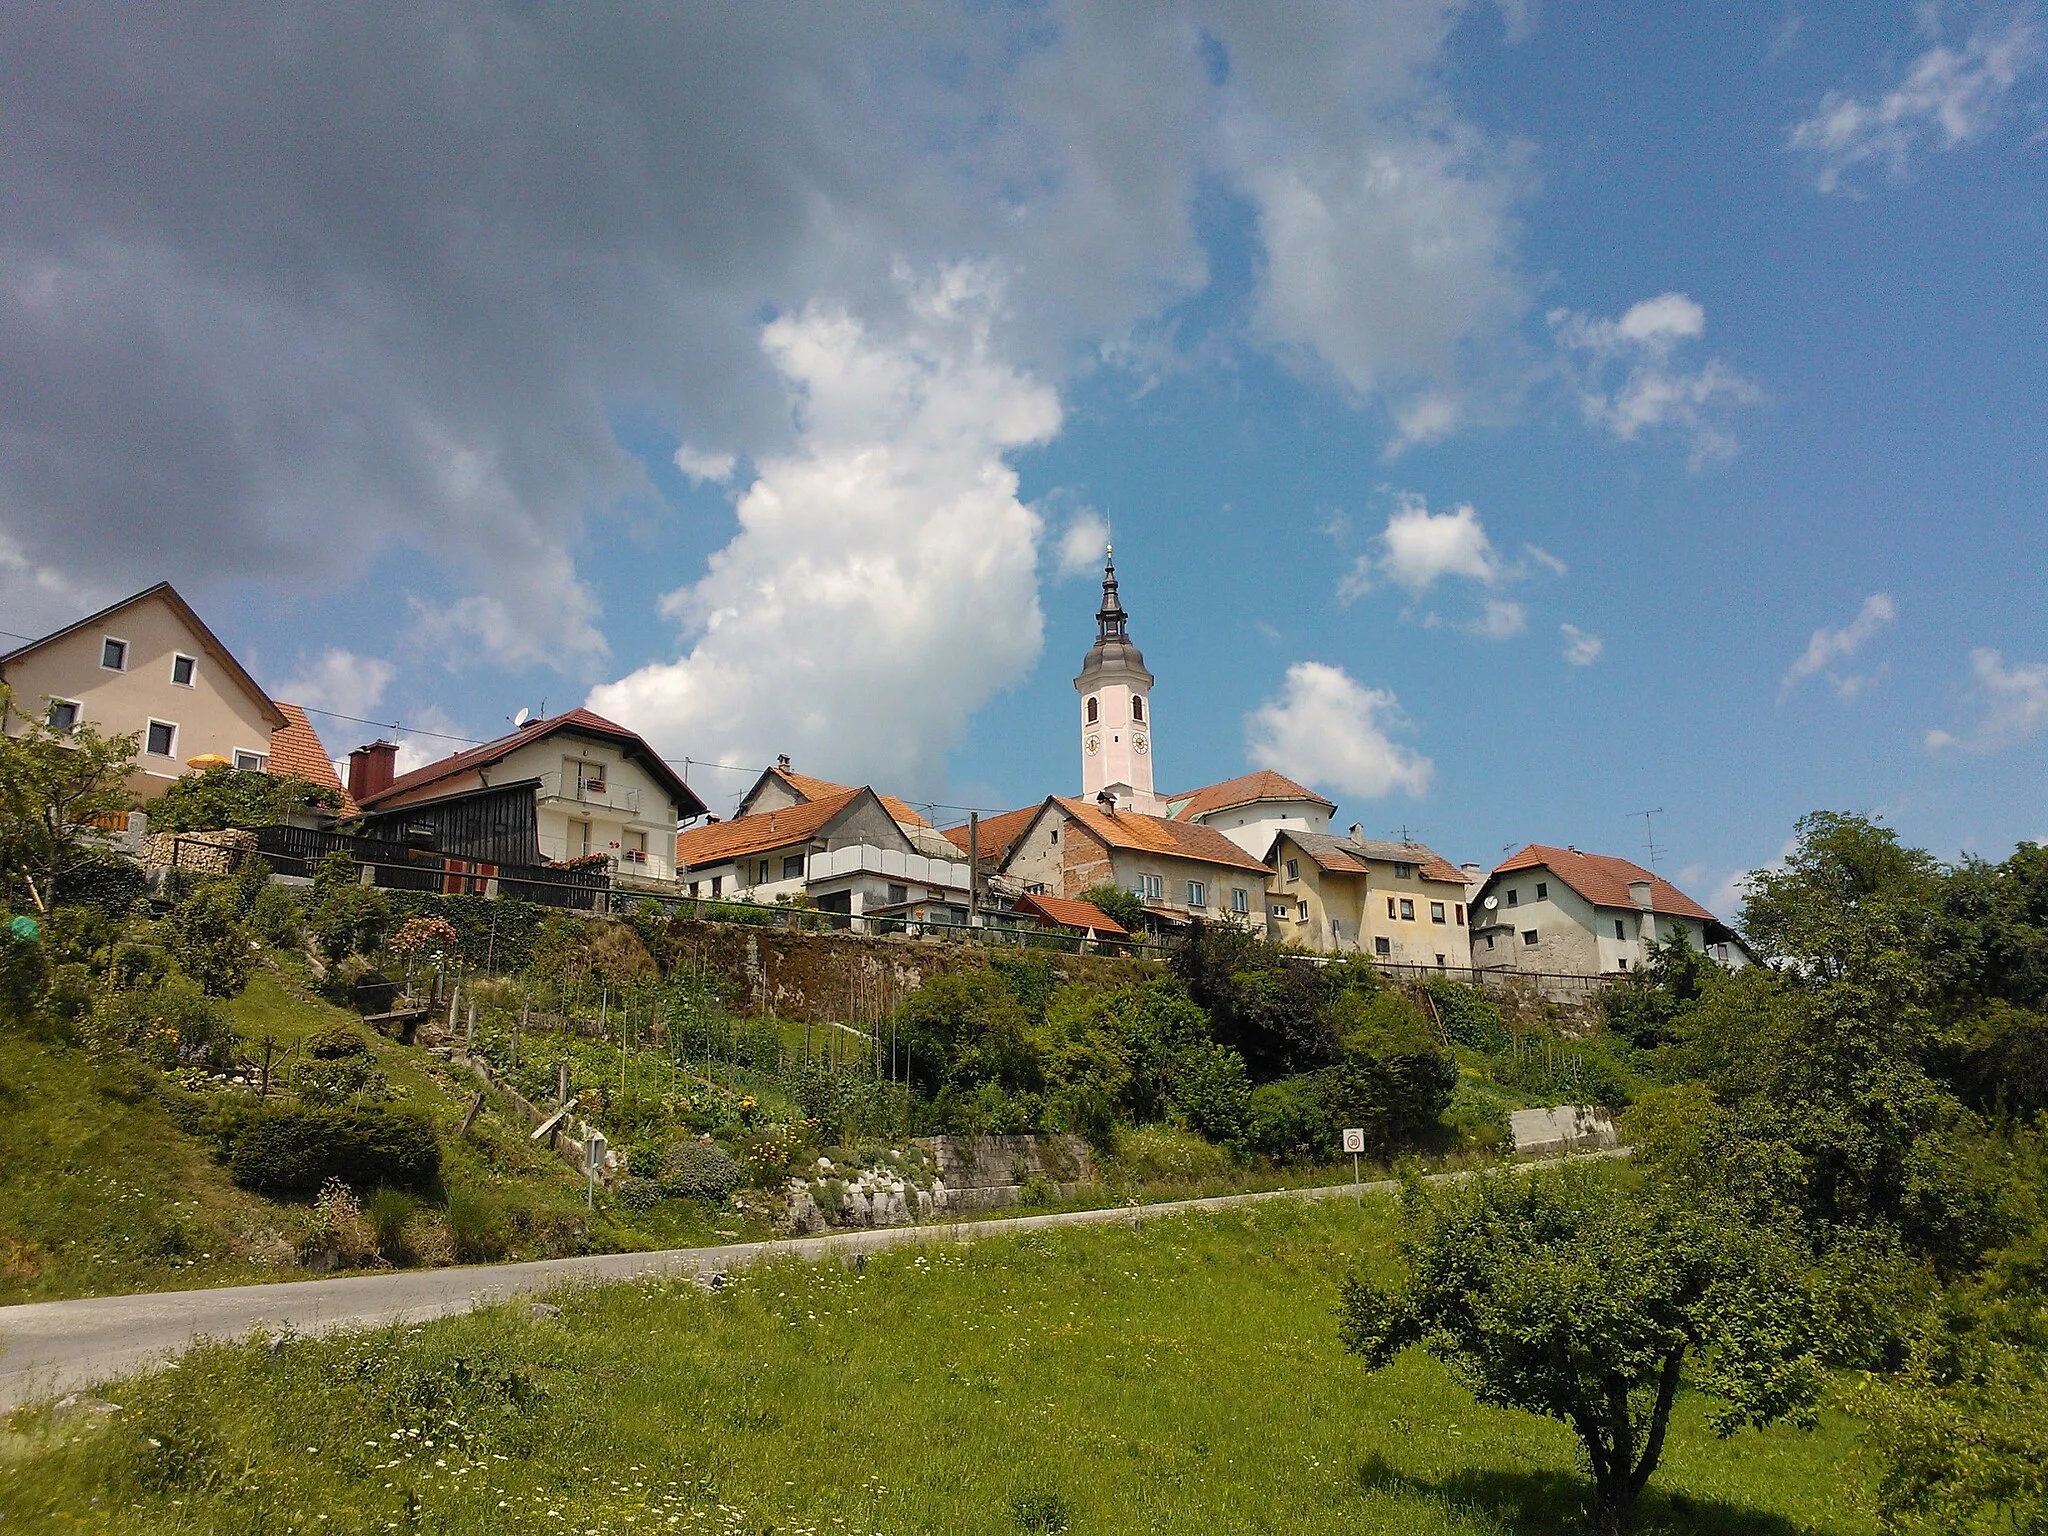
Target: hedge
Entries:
(290, 1153)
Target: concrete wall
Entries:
(1252, 827)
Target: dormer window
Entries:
(1137, 708)
(1094, 710)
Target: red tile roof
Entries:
(581, 720)
(998, 834)
(1065, 913)
(295, 750)
(735, 839)
(808, 788)
(1243, 790)
(1344, 856)
(1155, 834)
(1604, 879)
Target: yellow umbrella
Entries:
(206, 760)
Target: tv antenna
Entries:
(1656, 849)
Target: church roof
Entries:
(1113, 650)
(1246, 789)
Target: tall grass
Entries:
(1181, 1377)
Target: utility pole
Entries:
(974, 869)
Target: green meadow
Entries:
(1184, 1376)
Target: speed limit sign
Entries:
(1354, 1141)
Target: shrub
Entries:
(338, 1229)
(1470, 1015)
(274, 918)
(1392, 1080)
(638, 1194)
(174, 1024)
(335, 1042)
(1289, 1121)
(23, 972)
(338, 1079)
(1149, 1154)
(207, 940)
(1208, 1088)
(293, 1152)
(389, 1210)
(702, 1170)
(476, 1227)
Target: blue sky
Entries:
(1392, 340)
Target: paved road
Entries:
(50, 1347)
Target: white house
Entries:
(1563, 912)
(1252, 808)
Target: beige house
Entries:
(572, 788)
(1557, 911)
(150, 666)
(1249, 809)
(1399, 903)
(1181, 871)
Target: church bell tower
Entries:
(1116, 709)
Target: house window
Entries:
(898, 895)
(250, 762)
(1382, 948)
(764, 873)
(1390, 907)
(1407, 910)
(1053, 835)
(63, 714)
(792, 866)
(114, 654)
(1403, 871)
(580, 831)
(1619, 932)
(1294, 869)
(1094, 710)
(1461, 914)
(183, 670)
(1436, 912)
(1240, 900)
(635, 849)
(1277, 909)
(1440, 963)
(694, 887)
(1542, 890)
(1152, 887)
(717, 886)
(1513, 897)
(1198, 894)
(1137, 708)
(1489, 941)
(1301, 911)
(1529, 936)
(163, 736)
(1624, 962)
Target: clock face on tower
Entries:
(1138, 743)
(1094, 744)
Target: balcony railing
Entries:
(599, 792)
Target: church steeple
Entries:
(1116, 708)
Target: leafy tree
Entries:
(1642, 1005)
(221, 797)
(1392, 1078)
(54, 785)
(1118, 905)
(1991, 932)
(1290, 1120)
(965, 1028)
(1848, 900)
(1263, 1002)
(205, 936)
(1575, 1297)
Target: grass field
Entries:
(1180, 1378)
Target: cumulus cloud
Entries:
(1629, 379)
(706, 467)
(1946, 98)
(1083, 543)
(2014, 702)
(883, 581)
(1580, 648)
(1328, 729)
(340, 682)
(1419, 548)
(278, 273)
(1828, 648)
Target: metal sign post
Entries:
(1354, 1143)
(593, 1159)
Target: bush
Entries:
(1392, 1080)
(335, 1042)
(293, 1152)
(275, 918)
(338, 1229)
(207, 940)
(24, 970)
(171, 1025)
(1151, 1154)
(1207, 1087)
(702, 1170)
(476, 1227)
(1289, 1121)
(1470, 1015)
(638, 1194)
(339, 1079)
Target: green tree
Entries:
(223, 797)
(1392, 1079)
(1118, 905)
(1576, 1297)
(965, 1028)
(206, 938)
(54, 785)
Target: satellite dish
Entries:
(519, 719)
(1492, 902)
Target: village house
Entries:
(1560, 911)
(1401, 903)
(1181, 871)
(573, 788)
(149, 666)
(1252, 808)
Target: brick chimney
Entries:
(371, 769)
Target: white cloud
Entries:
(339, 682)
(1327, 729)
(1500, 620)
(1829, 647)
(706, 467)
(1082, 544)
(1418, 548)
(1629, 380)
(2014, 699)
(1580, 648)
(1947, 97)
(883, 581)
